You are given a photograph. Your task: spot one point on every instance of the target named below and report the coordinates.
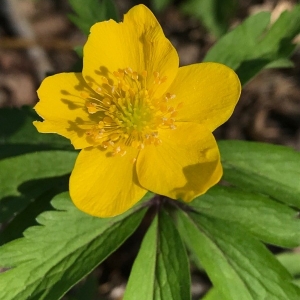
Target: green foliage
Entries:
(18, 135)
(263, 168)
(220, 228)
(160, 5)
(29, 181)
(239, 266)
(91, 12)
(252, 46)
(224, 230)
(23, 178)
(51, 258)
(212, 294)
(291, 261)
(214, 14)
(160, 265)
(268, 220)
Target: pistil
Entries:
(126, 112)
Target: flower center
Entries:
(124, 112)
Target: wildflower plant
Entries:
(144, 130)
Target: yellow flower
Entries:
(142, 122)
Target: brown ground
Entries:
(36, 37)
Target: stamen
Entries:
(126, 112)
(92, 107)
(104, 80)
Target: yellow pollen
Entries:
(104, 80)
(125, 113)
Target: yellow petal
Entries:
(137, 43)
(185, 165)
(62, 107)
(105, 186)
(208, 91)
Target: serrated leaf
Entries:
(23, 178)
(256, 49)
(161, 269)
(51, 258)
(239, 266)
(26, 217)
(268, 169)
(268, 220)
(89, 12)
(214, 14)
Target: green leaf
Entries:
(18, 135)
(161, 269)
(89, 12)
(268, 169)
(281, 63)
(269, 220)
(23, 178)
(160, 5)
(239, 266)
(291, 261)
(214, 14)
(212, 294)
(245, 36)
(79, 51)
(255, 48)
(51, 258)
(26, 217)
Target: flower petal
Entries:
(138, 42)
(185, 165)
(208, 91)
(105, 186)
(62, 107)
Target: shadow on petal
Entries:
(199, 178)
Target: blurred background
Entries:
(38, 38)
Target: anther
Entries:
(106, 102)
(141, 146)
(84, 95)
(135, 76)
(155, 74)
(101, 124)
(114, 137)
(129, 115)
(91, 107)
(170, 96)
(104, 145)
(163, 79)
(107, 120)
(128, 71)
(104, 80)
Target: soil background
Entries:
(37, 38)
